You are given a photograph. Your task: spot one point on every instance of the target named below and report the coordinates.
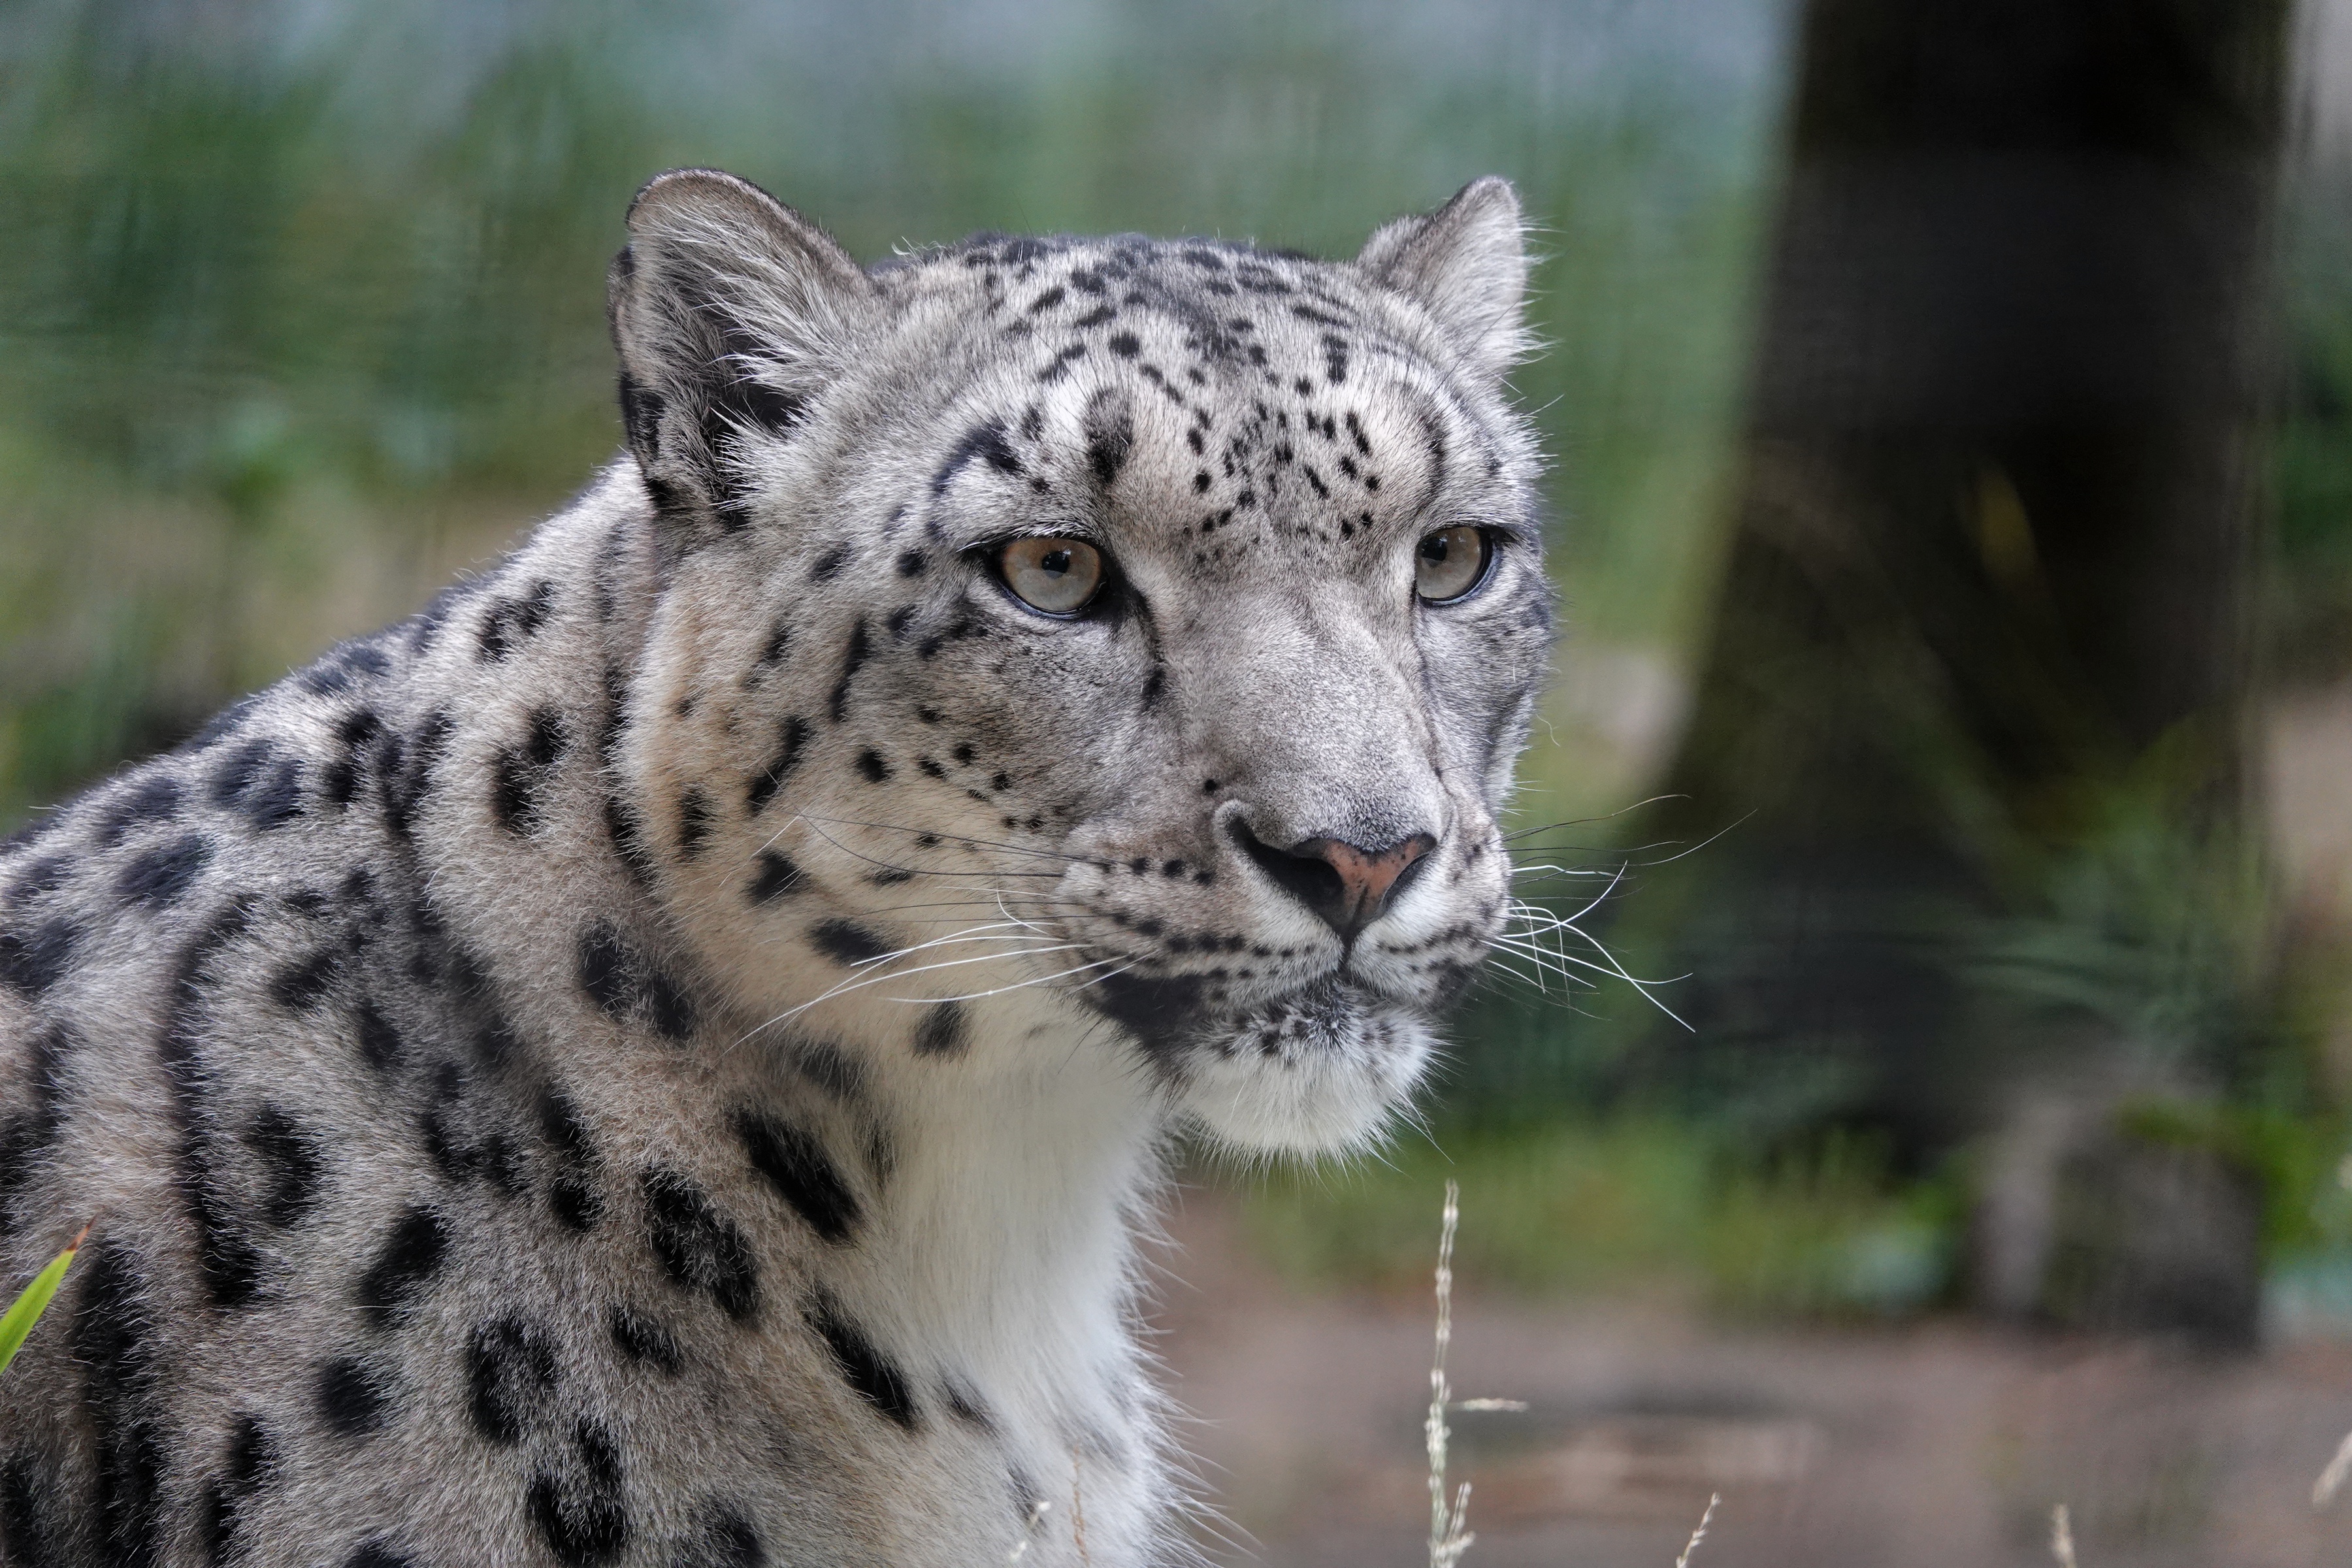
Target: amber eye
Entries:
(1059, 577)
(1449, 563)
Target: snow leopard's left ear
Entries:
(1466, 265)
(732, 312)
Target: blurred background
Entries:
(1950, 406)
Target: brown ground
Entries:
(1944, 1443)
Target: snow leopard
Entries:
(668, 1056)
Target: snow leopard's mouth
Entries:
(1178, 1016)
(1324, 1066)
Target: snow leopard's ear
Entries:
(730, 312)
(1466, 265)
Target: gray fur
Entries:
(661, 1059)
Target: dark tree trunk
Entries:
(1990, 586)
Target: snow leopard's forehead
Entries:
(1213, 399)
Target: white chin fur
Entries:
(1336, 1094)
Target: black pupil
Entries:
(1054, 562)
(1434, 549)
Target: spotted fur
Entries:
(659, 1058)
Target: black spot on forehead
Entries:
(343, 665)
(986, 442)
(249, 1464)
(48, 874)
(380, 1043)
(779, 639)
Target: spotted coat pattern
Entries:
(660, 1058)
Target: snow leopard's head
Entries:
(1146, 627)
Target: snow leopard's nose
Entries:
(1348, 885)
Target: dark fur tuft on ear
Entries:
(731, 313)
(1466, 265)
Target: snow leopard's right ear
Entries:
(1466, 265)
(732, 312)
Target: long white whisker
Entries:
(860, 982)
(970, 933)
(1016, 986)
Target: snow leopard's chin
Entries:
(1324, 1071)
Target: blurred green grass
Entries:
(1632, 1202)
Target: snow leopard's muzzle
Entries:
(1289, 1000)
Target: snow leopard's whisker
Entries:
(1551, 959)
(1533, 912)
(949, 837)
(1545, 872)
(1589, 821)
(1112, 976)
(859, 983)
(970, 933)
(1016, 986)
(1544, 920)
(892, 865)
(1681, 846)
(1549, 963)
(1505, 967)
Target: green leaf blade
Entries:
(27, 1308)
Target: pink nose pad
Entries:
(1349, 886)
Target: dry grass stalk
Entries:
(1077, 1512)
(2331, 1480)
(1448, 1540)
(1021, 1547)
(1713, 1500)
(2061, 1536)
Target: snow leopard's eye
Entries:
(1451, 564)
(1059, 577)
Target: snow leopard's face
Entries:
(1155, 623)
